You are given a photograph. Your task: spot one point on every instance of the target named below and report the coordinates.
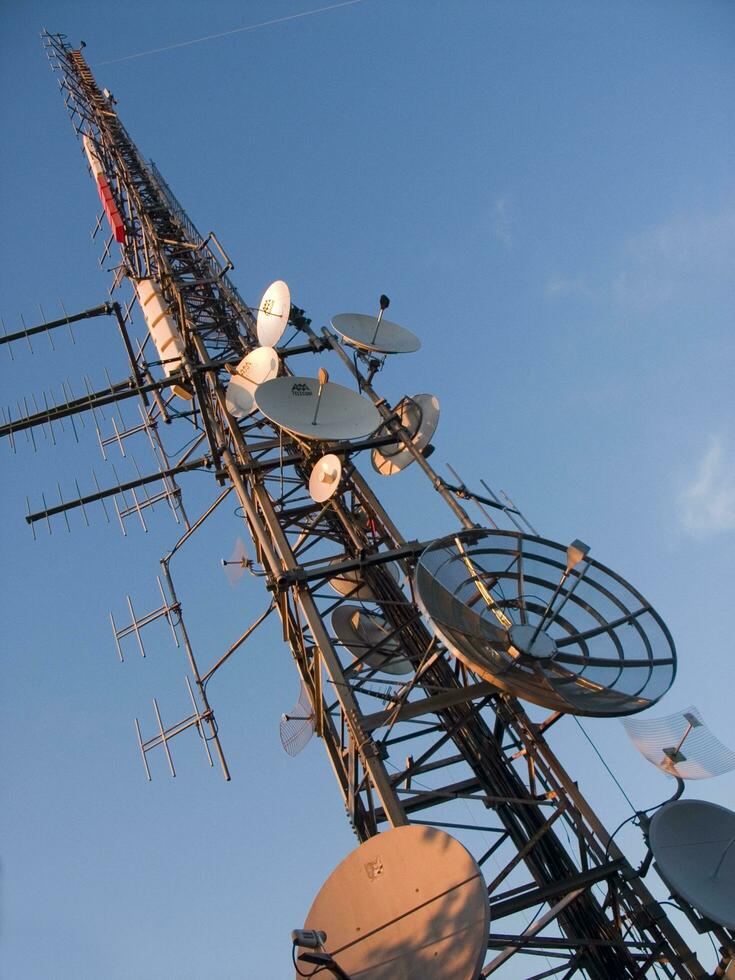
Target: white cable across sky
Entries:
(235, 30)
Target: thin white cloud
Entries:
(559, 286)
(501, 222)
(707, 502)
(680, 257)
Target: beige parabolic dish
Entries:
(257, 367)
(419, 414)
(408, 904)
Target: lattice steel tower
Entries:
(432, 666)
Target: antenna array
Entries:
(380, 675)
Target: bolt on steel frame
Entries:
(443, 747)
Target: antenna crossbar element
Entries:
(167, 609)
(166, 734)
(104, 310)
(202, 462)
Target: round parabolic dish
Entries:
(601, 649)
(292, 404)
(260, 365)
(359, 330)
(354, 585)
(273, 313)
(408, 904)
(325, 477)
(419, 414)
(693, 843)
(369, 638)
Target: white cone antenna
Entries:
(273, 313)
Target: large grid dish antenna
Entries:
(373, 334)
(545, 623)
(410, 903)
(681, 745)
(257, 367)
(419, 415)
(273, 313)
(308, 408)
(693, 843)
(370, 639)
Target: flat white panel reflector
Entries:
(368, 637)
(273, 313)
(681, 745)
(582, 641)
(364, 332)
(693, 843)
(410, 903)
(337, 414)
(419, 414)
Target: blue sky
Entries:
(545, 192)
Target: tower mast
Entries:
(469, 743)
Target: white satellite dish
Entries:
(325, 478)
(410, 903)
(316, 409)
(529, 616)
(681, 745)
(369, 333)
(353, 585)
(297, 727)
(257, 367)
(693, 843)
(419, 414)
(368, 638)
(273, 313)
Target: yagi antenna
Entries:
(137, 623)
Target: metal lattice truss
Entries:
(437, 745)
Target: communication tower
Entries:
(411, 655)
